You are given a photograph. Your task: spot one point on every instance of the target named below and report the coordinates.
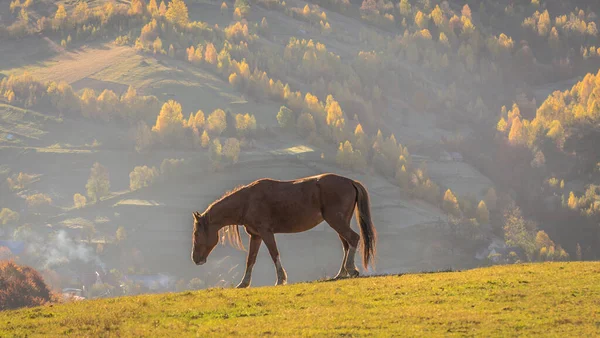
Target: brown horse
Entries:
(266, 207)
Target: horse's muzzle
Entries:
(197, 260)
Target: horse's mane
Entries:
(231, 233)
(227, 194)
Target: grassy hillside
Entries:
(552, 299)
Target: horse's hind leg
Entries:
(269, 239)
(342, 227)
(343, 272)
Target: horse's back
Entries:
(297, 205)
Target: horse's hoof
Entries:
(353, 273)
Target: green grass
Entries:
(549, 299)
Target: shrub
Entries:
(8, 216)
(22, 286)
(39, 201)
(79, 200)
(20, 181)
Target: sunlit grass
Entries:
(549, 299)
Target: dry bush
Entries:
(22, 286)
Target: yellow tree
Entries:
(450, 204)
(152, 7)
(162, 9)
(210, 54)
(204, 139)
(517, 134)
(491, 199)
(136, 7)
(60, 17)
(422, 20)
(231, 150)
(177, 12)
(216, 122)
(402, 177)
(170, 120)
(361, 142)
(482, 214)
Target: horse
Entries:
(267, 206)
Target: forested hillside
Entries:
(120, 118)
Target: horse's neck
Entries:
(227, 211)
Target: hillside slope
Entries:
(552, 299)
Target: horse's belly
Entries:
(299, 222)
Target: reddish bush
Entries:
(21, 286)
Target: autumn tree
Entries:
(490, 198)
(142, 176)
(422, 20)
(519, 232)
(60, 18)
(121, 234)
(215, 152)
(402, 177)
(450, 204)
(405, 8)
(361, 140)
(177, 12)
(98, 184)
(216, 122)
(285, 117)
(223, 8)
(210, 54)
(482, 214)
(204, 139)
(306, 125)
(517, 133)
(231, 150)
(170, 123)
(245, 124)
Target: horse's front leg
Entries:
(269, 239)
(255, 242)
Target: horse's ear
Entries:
(196, 215)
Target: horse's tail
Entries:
(232, 234)
(367, 230)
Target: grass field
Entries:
(547, 299)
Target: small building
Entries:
(457, 157)
(445, 156)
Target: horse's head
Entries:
(204, 238)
